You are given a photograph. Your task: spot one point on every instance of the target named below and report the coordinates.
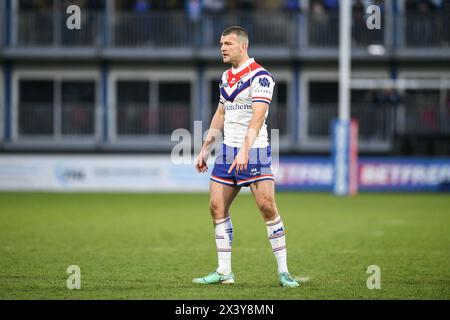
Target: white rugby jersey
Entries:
(239, 88)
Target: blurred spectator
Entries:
(65, 4)
(426, 22)
(270, 4)
(318, 13)
(96, 4)
(332, 5)
(359, 21)
(446, 6)
(213, 27)
(90, 5)
(246, 4)
(387, 96)
(422, 110)
(291, 5)
(434, 5)
(322, 26)
(142, 6)
(147, 5)
(194, 10)
(33, 5)
(213, 6)
(429, 119)
(177, 5)
(358, 7)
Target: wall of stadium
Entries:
(106, 133)
(143, 173)
(304, 124)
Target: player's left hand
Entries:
(240, 162)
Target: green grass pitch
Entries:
(150, 246)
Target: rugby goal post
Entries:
(345, 145)
(344, 129)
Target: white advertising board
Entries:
(99, 173)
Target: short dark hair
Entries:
(237, 30)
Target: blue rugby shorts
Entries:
(259, 167)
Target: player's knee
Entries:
(268, 207)
(216, 209)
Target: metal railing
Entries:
(427, 30)
(78, 119)
(142, 120)
(278, 29)
(324, 31)
(44, 29)
(176, 29)
(426, 119)
(278, 119)
(376, 122)
(36, 119)
(2, 25)
(380, 122)
(152, 30)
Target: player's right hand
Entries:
(200, 163)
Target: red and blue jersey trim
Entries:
(233, 79)
(261, 99)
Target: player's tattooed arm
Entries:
(259, 115)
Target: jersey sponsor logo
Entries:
(263, 91)
(223, 85)
(238, 107)
(264, 82)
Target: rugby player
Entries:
(244, 160)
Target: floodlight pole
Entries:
(345, 23)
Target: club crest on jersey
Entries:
(264, 82)
(239, 84)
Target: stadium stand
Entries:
(138, 69)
